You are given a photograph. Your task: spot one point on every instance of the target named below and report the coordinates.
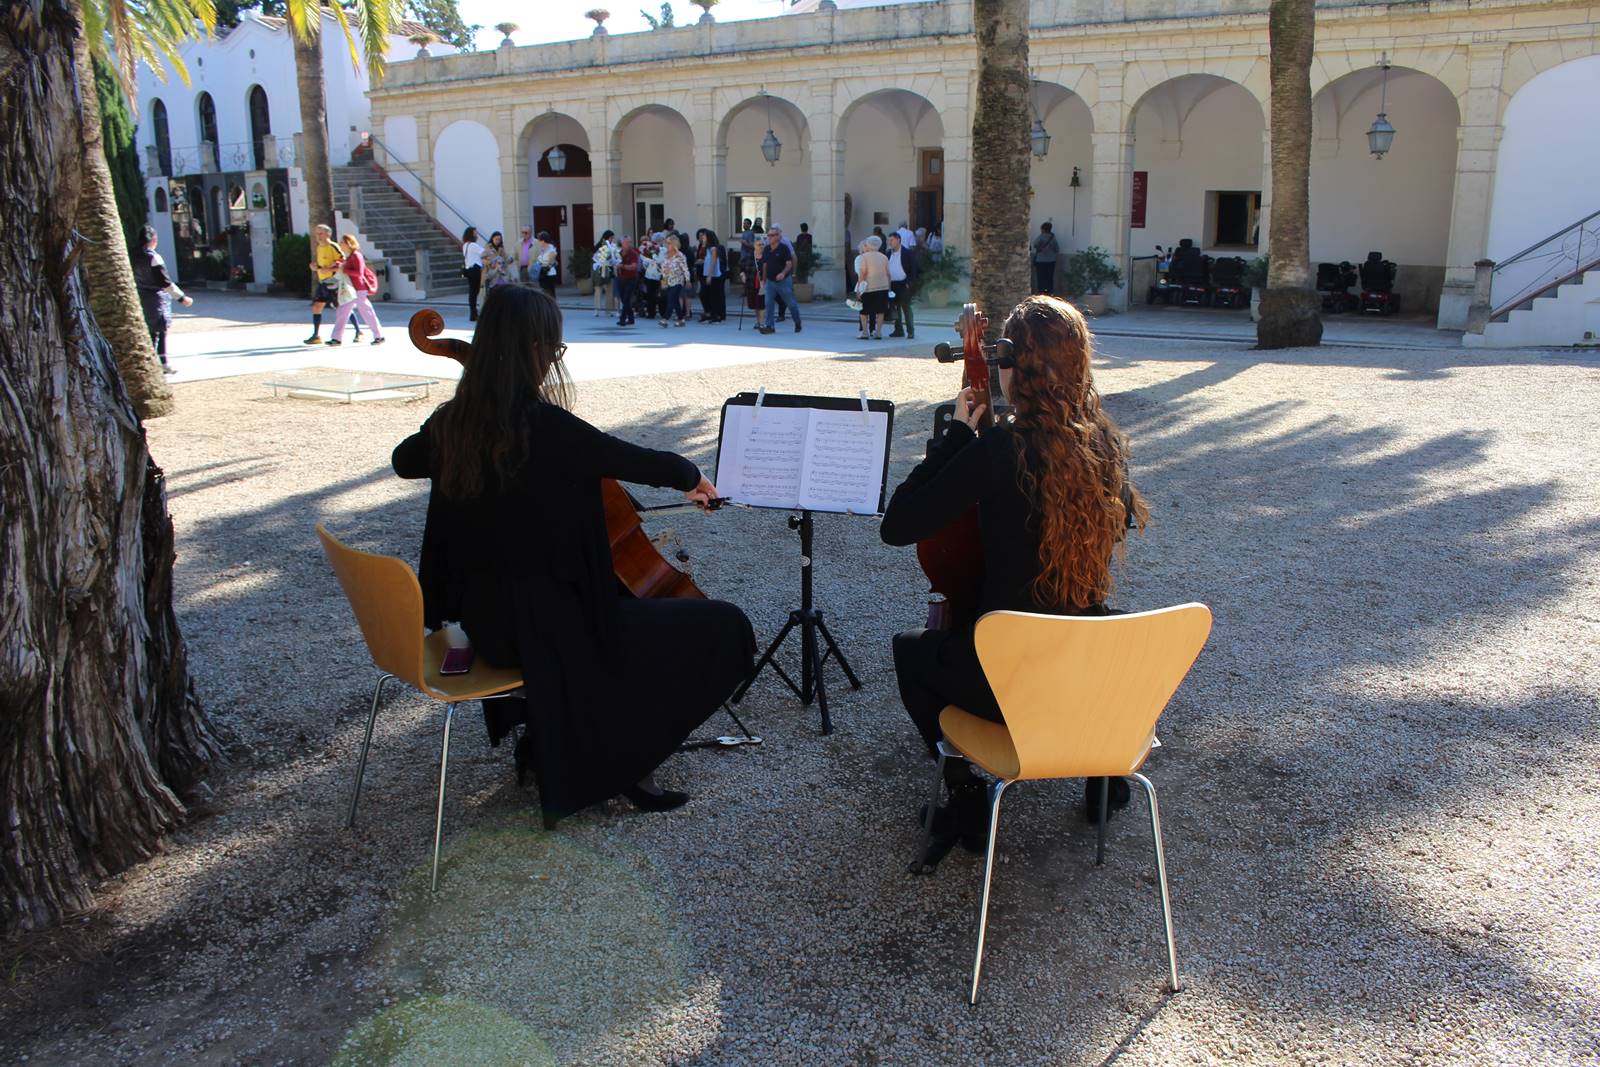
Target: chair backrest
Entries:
(1081, 695)
(384, 594)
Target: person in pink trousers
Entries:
(363, 283)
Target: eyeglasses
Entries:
(561, 351)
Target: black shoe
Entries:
(378, 340)
(797, 327)
(898, 333)
(666, 800)
(1118, 796)
(766, 329)
(333, 341)
(909, 334)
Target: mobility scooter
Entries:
(1227, 283)
(1193, 274)
(1333, 282)
(1377, 286)
(1166, 286)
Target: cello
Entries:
(641, 569)
(953, 558)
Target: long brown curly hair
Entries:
(1071, 458)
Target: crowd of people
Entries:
(661, 274)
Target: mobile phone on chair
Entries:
(456, 661)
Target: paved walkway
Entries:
(228, 333)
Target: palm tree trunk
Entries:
(100, 732)
(1290, 308)
(107, 269)
(1000, 162)
(314, 124)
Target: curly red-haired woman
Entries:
(1051, 484)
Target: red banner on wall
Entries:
(1141, 195)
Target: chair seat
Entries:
(481, 681)
(989, 745)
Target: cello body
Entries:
(953, 558)
(639, 567)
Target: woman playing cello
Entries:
(1054, 502)
(516, 549)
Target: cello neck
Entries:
(424, 328)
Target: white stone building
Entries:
(221, 154)
(1155, 109)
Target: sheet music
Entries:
(762, 455)
(814, 458)
(844, 461)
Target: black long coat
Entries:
(614, 684)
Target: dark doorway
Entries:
(927, 207)
(158, 116)
(207, 110)
(1236, 215)
(548, 219)
(280, 209)
(583, 224)
(260, 125)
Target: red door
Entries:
(548, 219)
(583, 225)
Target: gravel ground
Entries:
(1379, 782)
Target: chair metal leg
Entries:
(995, 792)
(927, 816)
(366, 745)
(1100, 832)
(438, 819)
(1161, 875)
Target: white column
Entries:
(510, 195)
(956, 117)
(606, 182)
(827, 203)
(1478, 144)
(709, 160)
(1265, 219)
(1110, 194)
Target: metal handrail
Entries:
(373, 138)
(1556, 260)
(1539, 244)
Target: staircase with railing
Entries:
(1546, 294)
(411, 240)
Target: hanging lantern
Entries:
(1380, 138)
(557, 159)
(1039, 139)
(771, 147)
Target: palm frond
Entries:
(375, 19)
(126, 33)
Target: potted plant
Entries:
(806, 264)
(1088, 271)
(422, 40)
(941, 274)
(580, 265)
(705, 7)
(599, 16)
(506, 30)
(1255, 276)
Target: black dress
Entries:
(940, 667)
(614, 684)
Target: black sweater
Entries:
(965, 469)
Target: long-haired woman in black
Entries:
(516, 549)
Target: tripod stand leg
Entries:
(833, 647)
(814, 663)
(766, 658)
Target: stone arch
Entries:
(893, 142)
(1145, 77)
(742, 169)
(653, 165)
(162, 134)
(466, 172)
(259, 111)
(1069, 120)
(1399, 205)
(1544, 169)
(562, 204)
(1199, 142)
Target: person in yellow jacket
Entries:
(324, 265)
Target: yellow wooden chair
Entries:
(1080, 697)
(387, 601)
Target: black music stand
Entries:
(817, 643)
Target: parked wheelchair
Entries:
(1334, 281)
(1377, 286)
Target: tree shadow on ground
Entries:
(1301, 759)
